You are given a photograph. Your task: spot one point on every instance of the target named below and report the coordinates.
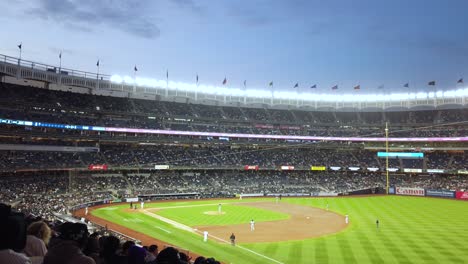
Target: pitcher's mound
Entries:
(214, 213)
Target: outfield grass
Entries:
(412, 230)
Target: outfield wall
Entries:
(459, 195)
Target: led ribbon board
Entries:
(232, 135)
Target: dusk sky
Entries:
(326, 43)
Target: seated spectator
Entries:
(36, 241)
(66, 249)
(169, 255)
(151, 254)
(136, 255)
(92, 247)
(109, 247)
(13, 236)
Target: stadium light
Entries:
(287, 95)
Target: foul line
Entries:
(244, 248)
(165, 230)
(187, 228)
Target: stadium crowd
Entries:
(27, 239)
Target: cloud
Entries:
(130, 16)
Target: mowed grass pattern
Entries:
(412, 230)
(231, 214)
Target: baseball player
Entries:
(377, 223)
(233, 239)
(142, 204)
(252, 225)
(205, 236)
(219, 208)
(86, 210)
(347, 219)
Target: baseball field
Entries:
(302, 230)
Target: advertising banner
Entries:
(353, 168)
(393, 169)
(440, 193)
(391, 190)
(97, 167)
(410, 170)
(287, 167)
(250, 194)
(135, 199)
(435, 171)
(318, 168)
(409, 191)
(462, 171)
(372, 169)
(324, 194)
(335, 168)
(251, 167)
(161, 167)
(461, 195)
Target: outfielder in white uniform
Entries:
(219, 208)
(142, 204)
(86, 210)
(252, 225)
(205, 236)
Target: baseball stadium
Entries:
(101, 168)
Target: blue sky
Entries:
(327, 43)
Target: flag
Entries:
(380, 86)
(358, 87)
(460, 81)
(224, 81)
(431, 83)
(313, 86)
(60, 55)
(271, 83)
(97, 63)
(197, 78)
(245, 83)
(20, 45)
(167, 74)
(406, 85)
(135, 68)
(296, 85)
(335, 87)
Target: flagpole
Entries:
(134, 79)
(60, 64)
(97, 76)
(21, 49)
(196, 90)
(386, 158)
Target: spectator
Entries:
(37, 239)
(66, 249)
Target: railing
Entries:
(27, 64)
(101, 84)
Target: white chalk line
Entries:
(165, 230)
(244, 248)
(187, 228)
(186, 206)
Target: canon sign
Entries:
(409, 191)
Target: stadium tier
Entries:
(62, 152)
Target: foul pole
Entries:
(386, 150)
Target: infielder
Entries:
(347, 219)
(205, 236)
(252, 225)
